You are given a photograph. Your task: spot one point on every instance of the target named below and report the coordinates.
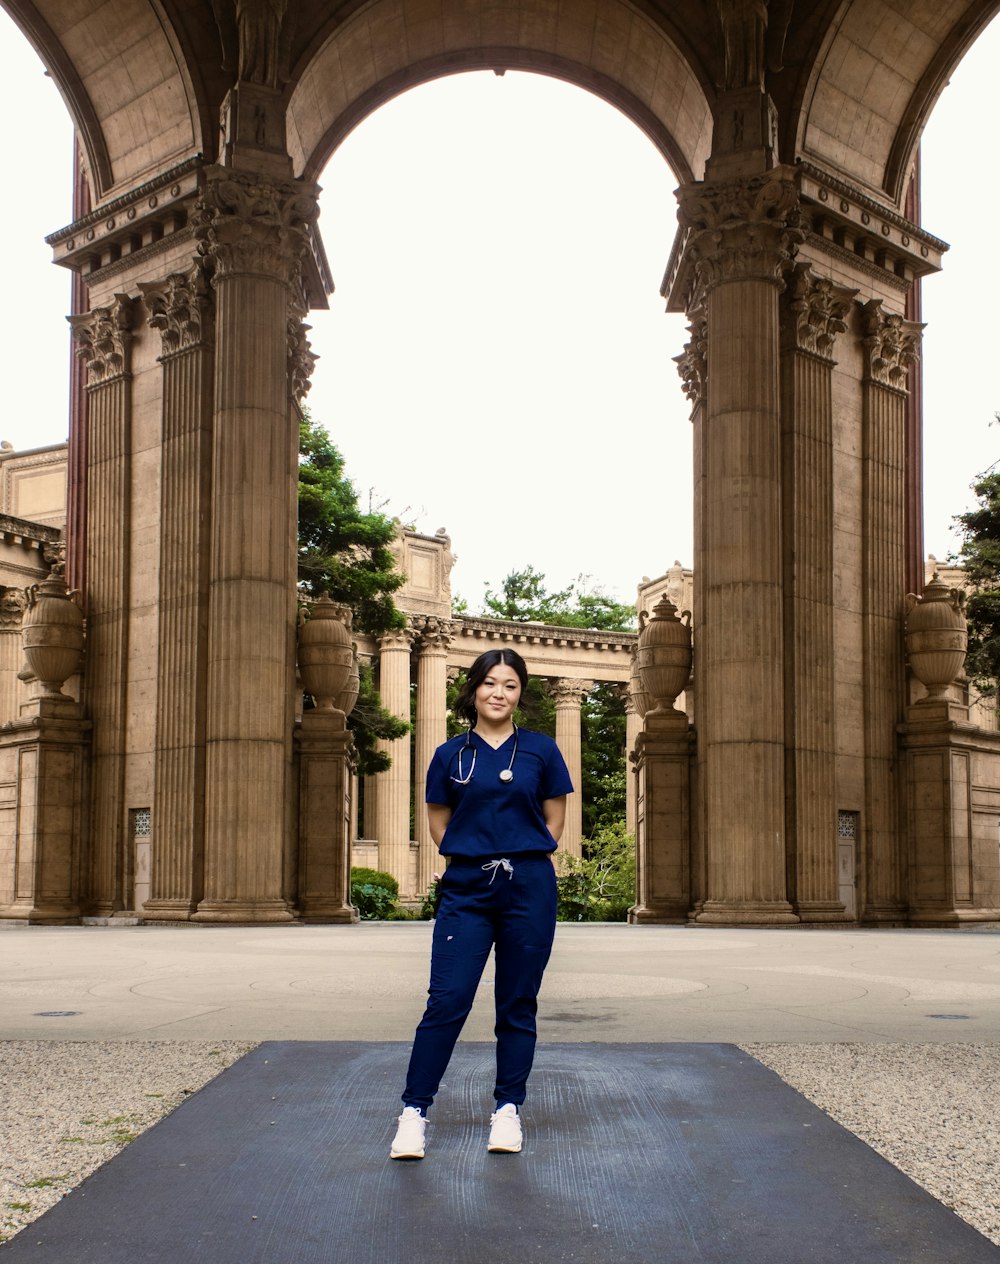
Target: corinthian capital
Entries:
(435, 635)
(103, 337)
(819, 311)
(180, 308)
(396, 639)
(12, 604)
(741, 229)
(891, 345)
(248, 224)
(569, 693)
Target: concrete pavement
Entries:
(605, 983)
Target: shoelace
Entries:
(507, 867)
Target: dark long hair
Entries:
(465, 703)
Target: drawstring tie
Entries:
(495, 865)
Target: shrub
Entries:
(373, 893)
(600, 885)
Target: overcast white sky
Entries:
(497, 350)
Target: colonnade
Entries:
(421, 658)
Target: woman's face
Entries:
(497, 697)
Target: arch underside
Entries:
(144, 79)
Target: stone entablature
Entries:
(33, 484)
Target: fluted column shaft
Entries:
(568, 695)
(431, 731)
(104, 340)
(740, 242)
(815, 313)
(254, 233)
(392, 800)
(891, 345)
(11, 611)
(180, 309)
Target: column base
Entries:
(332, 914)
(747, 913)
(658, 915)
(887, 915)
(167, 910)
(823, 911)
(243, 911)
(41, 914)
(944, 916)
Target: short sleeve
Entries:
(555, 779)
(437, 784)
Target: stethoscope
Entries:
(506, 774)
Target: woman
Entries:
(496, 803)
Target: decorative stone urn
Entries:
(640, 699)
(52, 634)
(664, 655)
(348, 696)
(936, 636)
(325, 652)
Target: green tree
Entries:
(980, 557)
(346, 552)
(523, 597)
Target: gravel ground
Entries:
(929, 1109)
(70, 1107)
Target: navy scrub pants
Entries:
(482, 908)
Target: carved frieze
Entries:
(692, 364)
(180, 307)
(891, 344)
(818, 311)
(103, 337)
(301, 358)
(741, 229)
(247, 224)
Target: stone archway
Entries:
(795, 262)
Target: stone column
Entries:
(254, 231)
(104, 338)
(740, 238)
(633, 727)
(392, 799)
(815, 312)
(431, 730)
(11, 610)
(180, 308)
(891, 346)
(568, 695)
(325, 770)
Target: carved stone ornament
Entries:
(692, 365)
(891, 345)
(301, 358)
(744, 33)
(13, 604)
(741, 229)
(325, 652)
(819, 311)
(52, 634)
(247, 224)
(569, 693)
(435, 634)
(396, 639)
(663, 659)
(937, 636)
(103, 337)
(180, 308)
(54, 556)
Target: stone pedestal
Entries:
(663, 759)
(952, 769)
(42, 770)
(325, 778)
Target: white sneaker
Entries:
(408, 1143)
(505, 1131)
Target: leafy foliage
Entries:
(980, 556)
(600, 887)
(523, 597)
(373, 893)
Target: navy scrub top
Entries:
(490, 817)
